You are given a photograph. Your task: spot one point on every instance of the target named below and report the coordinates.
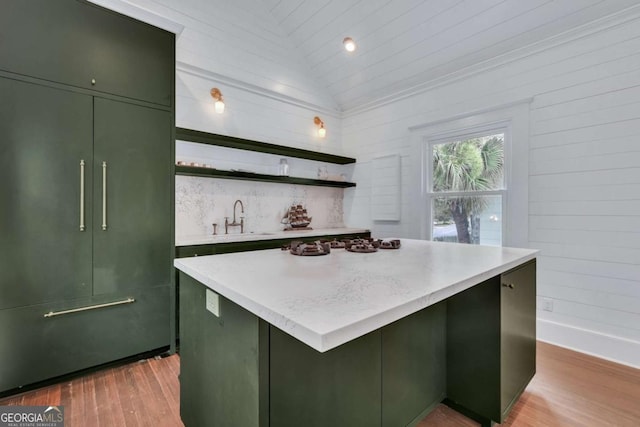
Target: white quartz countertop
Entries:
(250, 237)
(326, 301)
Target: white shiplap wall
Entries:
(584, 176)
(238, 47)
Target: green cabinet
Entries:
(134, 145)
(495, 322)
(225, 358)
(44, 256)
(518, 334)
(414, 366)
(82, 45)
(56, 142)
(34, 348)
(341, 387)
(87, 190)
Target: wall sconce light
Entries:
(349, 44)
(217, 95)
(322, 132)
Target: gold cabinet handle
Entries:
(90, 307)
(104, 196)
(82, 226)
(508, 285)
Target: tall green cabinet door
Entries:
(46, 136)
(132, 200)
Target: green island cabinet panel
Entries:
(491, 344)
(80, 44)
(518, 336)
(224, 362)
(46, 133)
(413, 366)
(135, 249)
(341, 387)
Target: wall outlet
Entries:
(547, 304)
(213, 303)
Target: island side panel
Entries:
(473, 351)
(518, 325)
(223, 362)
(491, 344)
(341, 387)
(413, 366)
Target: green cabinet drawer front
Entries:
(135, 249)
(75, 42)
(33, 348)
(45, 134)
(518, 338)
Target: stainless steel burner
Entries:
(323, 247)
(309, 249)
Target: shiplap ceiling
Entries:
(405, 43)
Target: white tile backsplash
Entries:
(203, 201)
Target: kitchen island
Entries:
(349, 339)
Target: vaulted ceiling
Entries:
(402, 44)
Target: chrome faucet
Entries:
(234, 223)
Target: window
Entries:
(509, 215)
(467, 188)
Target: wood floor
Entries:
(569, 389)
(144, 393)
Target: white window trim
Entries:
(496, 128)
(512, 116)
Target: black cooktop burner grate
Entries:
(323, 247)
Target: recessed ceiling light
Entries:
(349, 44)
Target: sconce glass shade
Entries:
(219, 104)
(349, 44)
(322, 132)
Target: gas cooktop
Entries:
(323, 247)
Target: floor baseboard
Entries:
(608, 347)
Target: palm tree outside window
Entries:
(468, 189)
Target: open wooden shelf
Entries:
(191, 135)
(249, 176)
